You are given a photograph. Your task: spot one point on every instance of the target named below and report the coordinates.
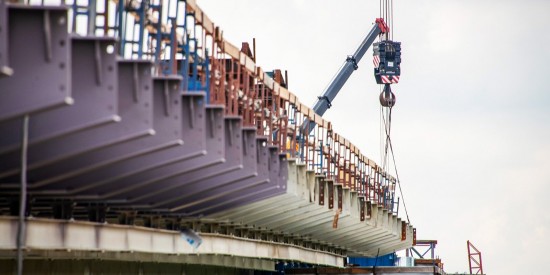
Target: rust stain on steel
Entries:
(340, 197)
(369, 209)
(330, 195)
(335, 220)
(403, 230)
(362, 208)
(321, 192)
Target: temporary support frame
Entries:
(474, 259)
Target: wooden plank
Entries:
(340, 139)
(302, 108)
(249, 64)
(242, 58)
(192, 4)
(276, 87)
(207, 24)
(327, 125)
(346, 143)
(372, 163)
(268, 81)
(231, 50)
(198, 15)
(219, 35)
(284, 93)
(260, 73)
(319, 120)
(427, 262)
(311, 115)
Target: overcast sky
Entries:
(471, 127)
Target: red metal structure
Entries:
(474, 259)
(420, 250)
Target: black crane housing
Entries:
(387, 61)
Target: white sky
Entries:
(471, 127)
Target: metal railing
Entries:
(180, 38)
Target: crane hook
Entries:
(387, 97)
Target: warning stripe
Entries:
(376, 61)
(389, 79)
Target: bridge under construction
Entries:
(136, 139)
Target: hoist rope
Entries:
(387, 125)
(386, 12)
(391, 23)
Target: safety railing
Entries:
(181, 39)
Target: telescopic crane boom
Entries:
(323, 102)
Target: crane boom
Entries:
(323, 102)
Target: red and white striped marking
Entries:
(389, 79)
(376, 61)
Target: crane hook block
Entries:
(387, 62)
(387, 97)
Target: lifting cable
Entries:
(386, 12)
(387, 125)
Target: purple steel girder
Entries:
(61, 132)
(135, 109)
(136, 154)
(215, 188)
(120, 136)
(38, 50)
(156, 167)
(278, 174)
(240, 165)
(5, 69)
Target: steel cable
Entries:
(395, 165)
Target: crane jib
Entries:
(350, 65)
(324, 101)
